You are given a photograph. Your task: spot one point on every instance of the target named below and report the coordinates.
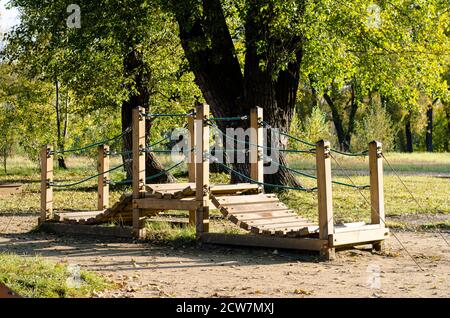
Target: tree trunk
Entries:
(59, 133)
(447, 140)
(139, 97)
(429, 133)
(337, 120)
(209, 48)
(408, 133)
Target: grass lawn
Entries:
(421, 173)
(36, 278)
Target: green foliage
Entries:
(375, 124)
(36, 278)
(314, 127)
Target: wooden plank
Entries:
(161, 204)
(257, 141)
(233, 188)
(359, 237)
(78, 214)
(191, 145)
(9, 189)
(273, 223)
(247, 199)
(138, 166)
(103, 184)
(202, 169)
(7, 293)
(46, 179)
(355, 227)
(94, 230)
(265, 214)
(169, 186)
(242, 208)
(264, 241)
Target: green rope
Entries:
(268, 185)
(167, 115)
(314, 177)
(52, 184)
(227, 118)
(349, 154)
(85, 148)
(155, 176)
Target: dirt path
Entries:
(144, 270)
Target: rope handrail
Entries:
(149, 178)
(167, 115)
(56, 185)
(227, 118)
(308, 143)
(268, 185)
(85, 148)
(314, 177)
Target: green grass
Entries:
(164, 232)
(36, 278)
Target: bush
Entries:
(376, 124)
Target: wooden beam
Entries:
(264, 241)
(202, 169)
(46, 180)
(94, 230)
(103, 180)
(376, 187)
(325, 198)
(162, 204)
(359, 237)
(191, 160)
(138, 166)
(257, 141)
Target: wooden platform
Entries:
(10, 189)
(263, 214)
(6, 292)
(91, 230)
(183, 190)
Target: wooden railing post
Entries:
(46, 180)
(257, 141)
(376, 187)
(325, 200)
(202, 169)
(138, 168)
(103, 179)
(191, 155)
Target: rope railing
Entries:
(167, 115)
(268, 185)
(87, 147)
(149, 178)
(308, 143)
(68, 185)
(242, 118)
(304, 174)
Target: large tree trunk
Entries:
(408, 133)
(210, 51)
(139, 98)
(338, 123)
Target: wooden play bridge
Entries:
(270, 222)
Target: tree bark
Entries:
(429, 132)
(447, 140)
(408, 133)
(60, 139)
(134, 67)
(337, 120)
(210, 51)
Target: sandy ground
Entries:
(146, 270)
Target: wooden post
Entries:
(103, 180)
(191, 164)
(325, 201)
(256, 138)
(138, 168)
(46, 180)
(376, 187)
(202, 169)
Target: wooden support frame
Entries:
(46, 181)
(103, 179)
(376, 187)
(202, 169)
(257, 141)
(191, 161)
(325, 198)
(138, 168)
